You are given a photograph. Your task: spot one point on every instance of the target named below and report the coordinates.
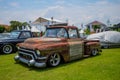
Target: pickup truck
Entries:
(58, 44)
(8, 43)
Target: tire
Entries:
(7, 49)
(54, 60)
(94, 52)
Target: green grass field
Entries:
(102, 67)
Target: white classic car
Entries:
(107, 39)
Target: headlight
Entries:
(18, 47)
(38, 52)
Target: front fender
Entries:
(62, 49)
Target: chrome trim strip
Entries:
(29, 51)
(26, 54)
(32, 56)
(42, 58)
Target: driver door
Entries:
(76, 46)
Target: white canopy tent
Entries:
(81, 31)
(27, 28)
(34, 29)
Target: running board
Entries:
(86, 56)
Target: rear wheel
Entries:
(54, 60)
(94, 52)
(7, 49)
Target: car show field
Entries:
(102, 67)
(60, 40)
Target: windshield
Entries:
(56, 33)
(14, 34)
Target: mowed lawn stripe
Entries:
(102, 67)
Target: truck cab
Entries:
(61, 43)
(69, 32)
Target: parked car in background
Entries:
(8, 43)
(4, 35)
(61, 43)
(108, 39)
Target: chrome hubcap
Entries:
(55, 59)
(7, 49)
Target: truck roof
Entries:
(21, 30)
(67, 27)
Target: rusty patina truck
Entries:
(58, 44)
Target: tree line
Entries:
(17, 24)
(13, 26)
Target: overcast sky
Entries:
(77, 12)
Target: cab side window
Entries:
(73, 33)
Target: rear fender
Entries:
(89, 46)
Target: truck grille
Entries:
(27, 53)
(28, 57)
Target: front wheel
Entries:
(7, 49)
(54, 60)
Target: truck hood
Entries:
(42, 43)
(44, 40)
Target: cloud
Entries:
(75, 14)
(60, 2)
(1, 22)
(101, 11)
(14, 4)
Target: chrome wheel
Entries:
(54, 59)
(7, 49)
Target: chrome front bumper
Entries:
(30, 62)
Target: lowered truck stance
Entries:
(58, 44)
